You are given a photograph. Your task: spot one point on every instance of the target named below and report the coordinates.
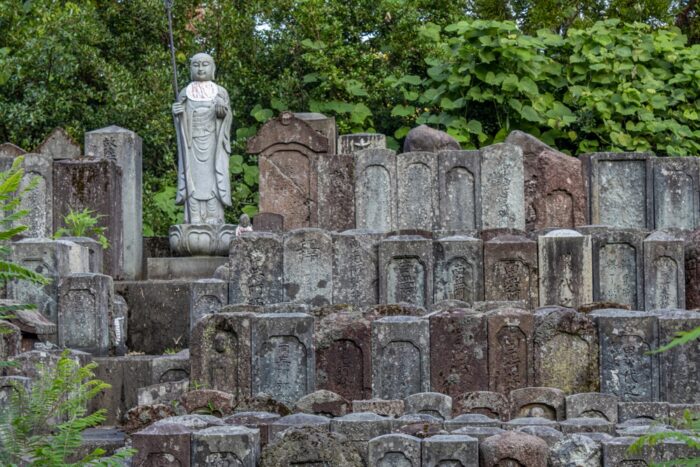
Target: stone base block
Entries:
(192, 268)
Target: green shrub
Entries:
(83, 224)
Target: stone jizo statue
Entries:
(204, 117)
(243, 225)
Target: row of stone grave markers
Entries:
(631, 267)
(388, 352)
(107, 180)
(521, 184)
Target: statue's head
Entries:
(244, 220)
(202, 67)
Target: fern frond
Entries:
(682, 337)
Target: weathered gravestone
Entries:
(565, 268)
(677, 192)
(617, 451)
(10, 150)
(355, 259)
(458, 352)
(349, 144)
(400, 357)
(544, 402)
(10, 340)
(296, 421)
(324, 126)
(617, 257)
(283, 355)
(360, 427)
(93, 184)
(406, 270)
(554, 190)
(311, 447)
(95, 250)
(664, 274)
(620, 189)
(459, 194)
(510, 333)
(123, 147)
(268, 222)
(324, 403)
(39, 201)
(592, 404)
(226, 445)
(458, 272)
(502, 187)
(416, 191)
(692, 270)
(566, 350)
(343, 355)
(51, 258)
(288, 150)
(490, 404)
(634, 413)
(336, 192)
(375, 190)
(395, 450)
(450, 450)
(429, 403)
(207, 296)
(627, 369)
(578, 450)
(85, 308)
(470, 419)
(256, 263)
(259, 420)
(220, 348)
(162, 445)
(391, 408)
(512, 449)
(59, 145)
(308, 266)
(680, 367)
(510, 270)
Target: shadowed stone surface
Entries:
(226, 445)
(510, 270)
(680, 367)
(355, 279)
(256, 262)
(309, 446)
(458, 271)
(565, 268)
(513, 449)
(336, 192)
(510, 333)
(450, 450)
(308, 267)
(537, 402)
(429, 403)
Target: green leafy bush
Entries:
(44, 425)
(83, 224)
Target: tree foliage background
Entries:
(376, 65)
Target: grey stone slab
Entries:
(160, 445)
(355, 267)
(336, 192)
(256, 262)
(349, 144)
(159, 314)
(323, 402)
(513, 448)
(692, 270)
(283, 355)
(400, 356)
(385, 407)
(549, 435)
(442, 450)
(510, 334)
(647, 411)
(268, 222)
(308, 267)
(395, 450)
(59, 145)
(125, 148)
(51, 258)
(575, 450)
(519, 422)
(258, 420)
(162, 393)
(565, 269)
(664, 271)
(360, 427)
(375, 190)
(298, 420)
(417, 190)
(226, 445)
(414, 423)
(618, 264)
(587, 425)
(192, 268)
(126, 375)
(677, 192)
(221, 353)
(9, 385)
(471, 419)
(680, 367)
(459, 193)
(481, 433)
(208, 296)
(458, 271)
(592, 404)
(430, 403)
(626, 367)
(502, 187)
(84, 311)
(620, 189)
(616, 452)
(511, 270)
(96, 252)
(311, 446)
(566, 350)
(170, 367)
(406, 270)
(39, 201)
(324, 126)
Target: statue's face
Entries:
(202, 68)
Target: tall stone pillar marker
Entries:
(125, 148)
